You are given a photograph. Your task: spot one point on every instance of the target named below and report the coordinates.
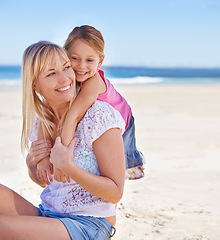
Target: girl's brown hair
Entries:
(90, 35)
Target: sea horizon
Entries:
(134, 75)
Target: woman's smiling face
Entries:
(57, 83)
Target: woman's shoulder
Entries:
(103, 108)
(104, 114)
(99, 118)
(99, 105)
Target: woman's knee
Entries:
(12, 203)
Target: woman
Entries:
(83, 208)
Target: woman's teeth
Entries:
(63, 89)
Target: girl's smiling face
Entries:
(84, 60)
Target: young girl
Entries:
(85, 48)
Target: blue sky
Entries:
(160, 33)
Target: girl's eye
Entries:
(74, 58)
(90, 60)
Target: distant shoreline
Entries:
(137, 71)
(13, 85)
(10, 75)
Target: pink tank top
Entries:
(114, 98)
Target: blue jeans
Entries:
(133, 157)
(81, 227)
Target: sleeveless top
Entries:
(71, 197)
(115, 99)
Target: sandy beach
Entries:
(178, 130)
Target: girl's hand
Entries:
(61, 156)
(39, 150)
(60, 177)
(45, 171)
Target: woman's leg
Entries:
(12, 204)
(34, 228)
(19, 219)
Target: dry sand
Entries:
(178, 130)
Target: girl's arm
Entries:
(87, 96)
(109, 152)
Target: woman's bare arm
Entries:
(109, 152)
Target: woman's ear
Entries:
(101, 61)
(36, 87)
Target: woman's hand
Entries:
(108, 149)
(62, 156)
(39, 150)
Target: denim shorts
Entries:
(133, 157)
(82, 227)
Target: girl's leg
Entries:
(13, 204)
(32, 227)
(133, 157)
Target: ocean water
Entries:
(11, 75)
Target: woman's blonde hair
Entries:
(37, 57)
(90, 35)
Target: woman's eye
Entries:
(50, 74)
(67, 67)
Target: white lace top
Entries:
(71, 197)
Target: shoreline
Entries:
(12, 85)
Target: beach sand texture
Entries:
(178, 130)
